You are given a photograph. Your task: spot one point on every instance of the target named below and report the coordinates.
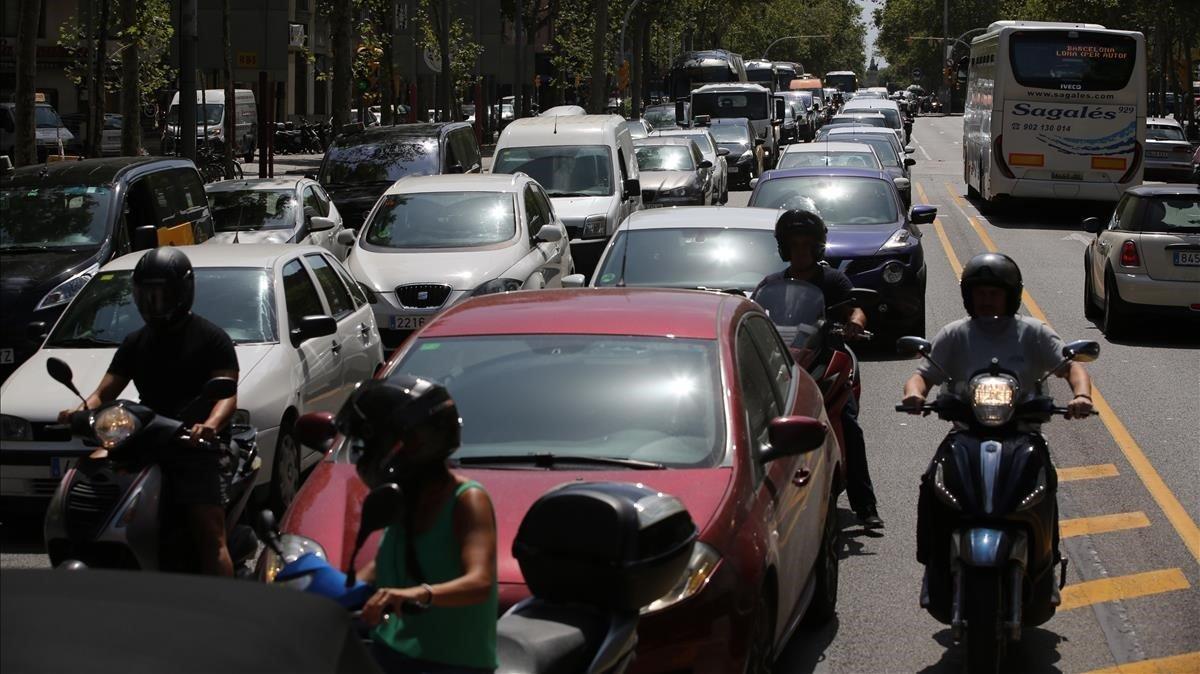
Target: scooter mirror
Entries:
(220, 388)
(913, 346)
(60, 372)
(1082, 351)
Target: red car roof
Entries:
(588, 311)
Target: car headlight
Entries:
(992, 398)
(497, 285)
(67, 290)
(702, 565)
(113, 425)
(899, 239)
(15, 428)
(293, 547)
(214, 131)
(677, 192)
(595, 227)
(893, 272)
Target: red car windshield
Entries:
(648, 399)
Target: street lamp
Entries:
(788, 37)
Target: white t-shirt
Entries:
(1023, 345)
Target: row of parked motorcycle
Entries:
(302, 138)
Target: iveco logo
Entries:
(423, 295)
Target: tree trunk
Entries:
(647, 58)
(96, 120)
(131, 129)
(599, 88)
(343, 55)
(386, 68)
(635, 70)
(447, 77)
(232, 142)
(29, 11)
(519, 51)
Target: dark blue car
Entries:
(871, 237)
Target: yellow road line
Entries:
(1179, 518)
(941, 232)
(1122, 587)
(1102, 524)
(1188, 663)
(1086, 472)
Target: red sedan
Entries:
(688, 392)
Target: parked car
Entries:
(689, 393)
(663, 117)
(1168, 153)
(210, 115)
(894, 156)
(732, 248)
(303, 333)
(674, 173)
(843, 155)
(871, 237)
(586, 165)
(110, 133)
(49, 132)
(638, 128)
(745, 151)
(704, 140)
(277, 210)
(433, 241)
(60, 222)
(359, 166)
(1145, 260)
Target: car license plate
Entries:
(1156, 155)
(1064, 175)
(60, 465)
(408, 322)
(7, 357)
(1187, 258)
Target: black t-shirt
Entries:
(834, 285)
(171, 368)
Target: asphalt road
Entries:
(1133, 577)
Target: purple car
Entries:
(871, 237)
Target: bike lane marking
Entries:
(1102, 524)
(1087, 472)
(1184, 525)
(1102, 590)
(1188, 663)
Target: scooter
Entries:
(584, 612)
(797, 308)
(987, 525)
(111, 510)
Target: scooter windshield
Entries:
(795, 307)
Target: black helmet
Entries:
(992, 269)
(399, 426)
(164, 286)
(801, 219)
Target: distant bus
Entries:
(694, 69)
(842, 80)
(1054, 110)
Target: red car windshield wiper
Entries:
(548, 460)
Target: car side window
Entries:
(300, 295)
(339, 300)
(187, 196)
(312, 205)
(533, 214)
(621, 161)
(778, 360)
(1122, 217)
(322, 199)
(356, 291)
(451, 151)
(544, 207)
(758, 397)
(468, 149)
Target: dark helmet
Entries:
(397, 426)
(801, 219)
(164, 286)
(996, 270)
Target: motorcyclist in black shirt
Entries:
(169, 360)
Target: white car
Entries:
(1168, 153)
(431, 241)
(301, 326)
(277, 210)
(821, 155)
(1146, 259)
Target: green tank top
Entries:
(464, 636)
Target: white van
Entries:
(49, 131)
(587, 167)
(210, 110)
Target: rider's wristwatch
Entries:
(429, 600)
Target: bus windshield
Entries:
(748, 104)
(842, 82)
(1074, 60)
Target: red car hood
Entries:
(329, 505)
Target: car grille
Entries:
(422, 295)
(648, 196)
(88, 507)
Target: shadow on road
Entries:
(852, 530)
(1047, 214)
(1036, 653)
(807, 649)
(1154, 333)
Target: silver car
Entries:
(673, 173)
(1168, 154)
(277, 210)
(709, 150)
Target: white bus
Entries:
(1054, 110)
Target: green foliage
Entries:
(152, 33)
(463, 50)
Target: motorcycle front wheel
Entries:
(985, 642)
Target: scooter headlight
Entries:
(293, 548)
(113, 425)
(992, 398)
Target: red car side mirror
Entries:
(316, 430)
(791, 436)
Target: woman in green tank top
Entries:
(440, 555)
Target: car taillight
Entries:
(998, 155)
(1129, 255)
(1133, 165)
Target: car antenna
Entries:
(556, 125)
(624, 257)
